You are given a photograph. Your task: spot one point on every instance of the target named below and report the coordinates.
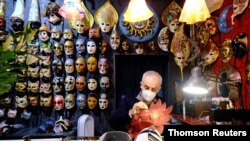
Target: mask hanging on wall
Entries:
(34, 15)
(58, 102)
(69, 101)
(17, 17)
(51, 12)
(226, 51)
(81, 101)
(80, 83)
(239, 45)
(103, 101)
(92, 101)
(163, 39)
(91, 64)
(239, 7)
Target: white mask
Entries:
(148, 95)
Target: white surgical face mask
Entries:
(148, 95)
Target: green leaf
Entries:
(6, 56)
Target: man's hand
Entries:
(137, 108)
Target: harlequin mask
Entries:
(163, 39)
(94, 33)
(211, 26)
(103, 101)
(12, 113)
(248, 71)
(17, 24)
(58, 49)
(56, 34)
(80, 26)
(33, 100)
(92, 84)
(2, 112)
(69, 48)
(44, 33)
(21, 86)
(68, 34)
(57, 67)
(103, 65)
(80, 83)
(69, 83)
(51, 11)
(33, 47)
(115, 39)
(33, 71)
(45, 88)
(81, 101)
(21, 102)
(26, 115)
(69, 66)
(104, 83)
(46, 101)
(91, 64)
(139, 48)
(69, 101)
(91, 47)
(92, 101)
(57, 84)
(80, 48)
(58, 102)
(33, 86)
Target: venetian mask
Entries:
(33, 86)
(104, 83)
(105, 26)
(104, 47)
(51, 11)
(92, 83)
(69, 48)
(68, 34)
(80, 83)
(57, 67)
(80, 26)
(44, 33)
(69, 66)
(115, 39)
(58, 49)
(12, 113)
(91, 64)
(238, 7)
(80, 48)
(103, 101)
(46, 101)
(21, 86)
(103, 65)
(163, 39)
(91, 47)
(58, 102)
(21, 102)
(81, 101)
(92, 101)
(226, 52)
(33, 100)
(174, 24)
(57, 84)
(248, 71)
(211, 26)
(45, 88)
(56, 34)
(94, 33)
(33, 71)
(17, 24)
(69, 83)
(139, 48)
(210, 57)
(69, 101)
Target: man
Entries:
(150, 85)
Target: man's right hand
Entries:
(137, 108)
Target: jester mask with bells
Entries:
(170, 16)
(211, 56)
(106, 17)
(91, 46)
(180, 47)
(57, 84)
(69, 66)
(238, 8)
(92, 83)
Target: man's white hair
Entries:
(152, 73)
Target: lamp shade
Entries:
(137, 11)
(195, 85)
(72, 10)
(194, 11)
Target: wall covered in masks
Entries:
(76, 72)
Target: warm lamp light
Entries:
(72, 10)
(194, 11)
(195, 85)
(137, 11)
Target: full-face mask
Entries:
(68, 34)
(17, 24)
(45, 88)
(80, 48)
(103, 65)
(115, 39)
(80, 26)
(58, 102)
(104, 47)
(139, 48)
(94, 33)
(57, 84)
(21, 102)
(105, 26)
(104, 83)
(51, 11)
(91, 64)
(91, 47)
(69, 101)
(125, 46)
(80, 65)
(56, 34)
(46, 101)
(57, 67)
(69, 48)
(69, 66)
(33, 86)
(81, 100)
(69, 83)
(92, 83)
(58, 49)
(103, 101)
(33, 100)
(92, 101)
(44, 33)
(80, 83)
